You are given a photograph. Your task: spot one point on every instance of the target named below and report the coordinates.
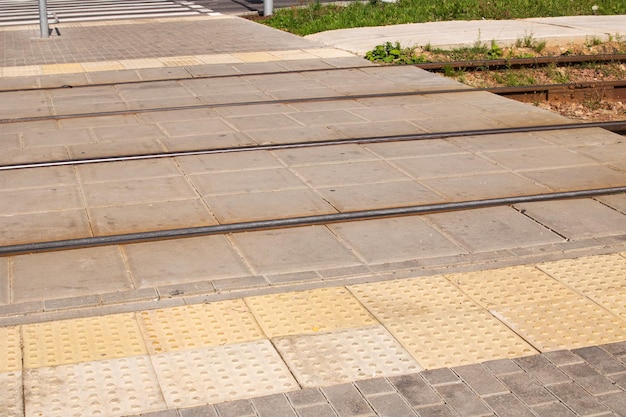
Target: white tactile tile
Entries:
(116, 387)
(345, 355)
(222, 373)
(11, 394)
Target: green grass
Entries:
(314, 17)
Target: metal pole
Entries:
(268, 7)
(43, 19)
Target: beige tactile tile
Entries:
(222, 373)
(255, 56)
(62, 68)
(390, 301)
(180, 61)
(72, 273)
(23, 70)
(345, 355)
(11, 398)
(395, 239)
(183, 260)
(450, 339)
(565, 323)
(81, 340)
(510, 286)
(292, 250)
(102, 66)
(308, 312)
(218, 59)
(141, 63)
(198, 326)
(601, 278)
(115, 387)
(10, 349)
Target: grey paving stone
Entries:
(617, 349)
(306, 397)
(200, 287)
(391, 405)
(347, 401)
(376, 386)
(239, 283)
(555, 409)
(588, 378)
(415, 390)
(21, 308)
(601, 360)
(239, 408)
(502, 367)
(72, 302)
(440, 410)
(577, 399)
(615, 401)
(480, 380)
(620, 380)
(440, 376)
(527, 389)
(306, 276)
(562, 357)
(508, 405)
(463, 400)
(541, 369)
(273, 406)
(319, 410)
(128, 296)
(203, 411)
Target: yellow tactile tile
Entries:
(255, 56)
(567, 323)
(308, 312)
(294, 54)
(328, 53)
(10, 349)
(601, 278)
(102, 66)
(62, 68)
(457, 338)
(218, 59)
(199, 326)
(81, 340)
(392, 300)
(180, 61)
(510, 286)
(22, 71)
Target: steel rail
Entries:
(602, 85)
(521, 62)
(429, 66)
(619, 126)
(297, 221)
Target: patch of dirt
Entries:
(589, 109)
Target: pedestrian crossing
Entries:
(26, 12)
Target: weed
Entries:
(594, 41)
(393, 53)
(512, 78)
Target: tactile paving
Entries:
(344, 355)
(116, 387)
(457, 338)
(601, 278)
(563, 324)
(11, 400)
(198, 326)
(392, 300)
(222, 373)
(510, 286)
(309, 311)
(10, 349)
(81, 340)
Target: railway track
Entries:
(304, 176)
